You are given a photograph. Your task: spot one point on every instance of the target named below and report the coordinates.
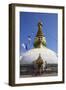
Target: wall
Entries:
(4, 45)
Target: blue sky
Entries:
(28, 27)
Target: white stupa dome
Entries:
(46, 54)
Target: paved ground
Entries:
(42, 75)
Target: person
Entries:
(45, 66)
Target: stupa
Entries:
(40, 58)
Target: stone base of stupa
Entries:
(28, 70)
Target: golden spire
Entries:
(39, 33)
(40, 40)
